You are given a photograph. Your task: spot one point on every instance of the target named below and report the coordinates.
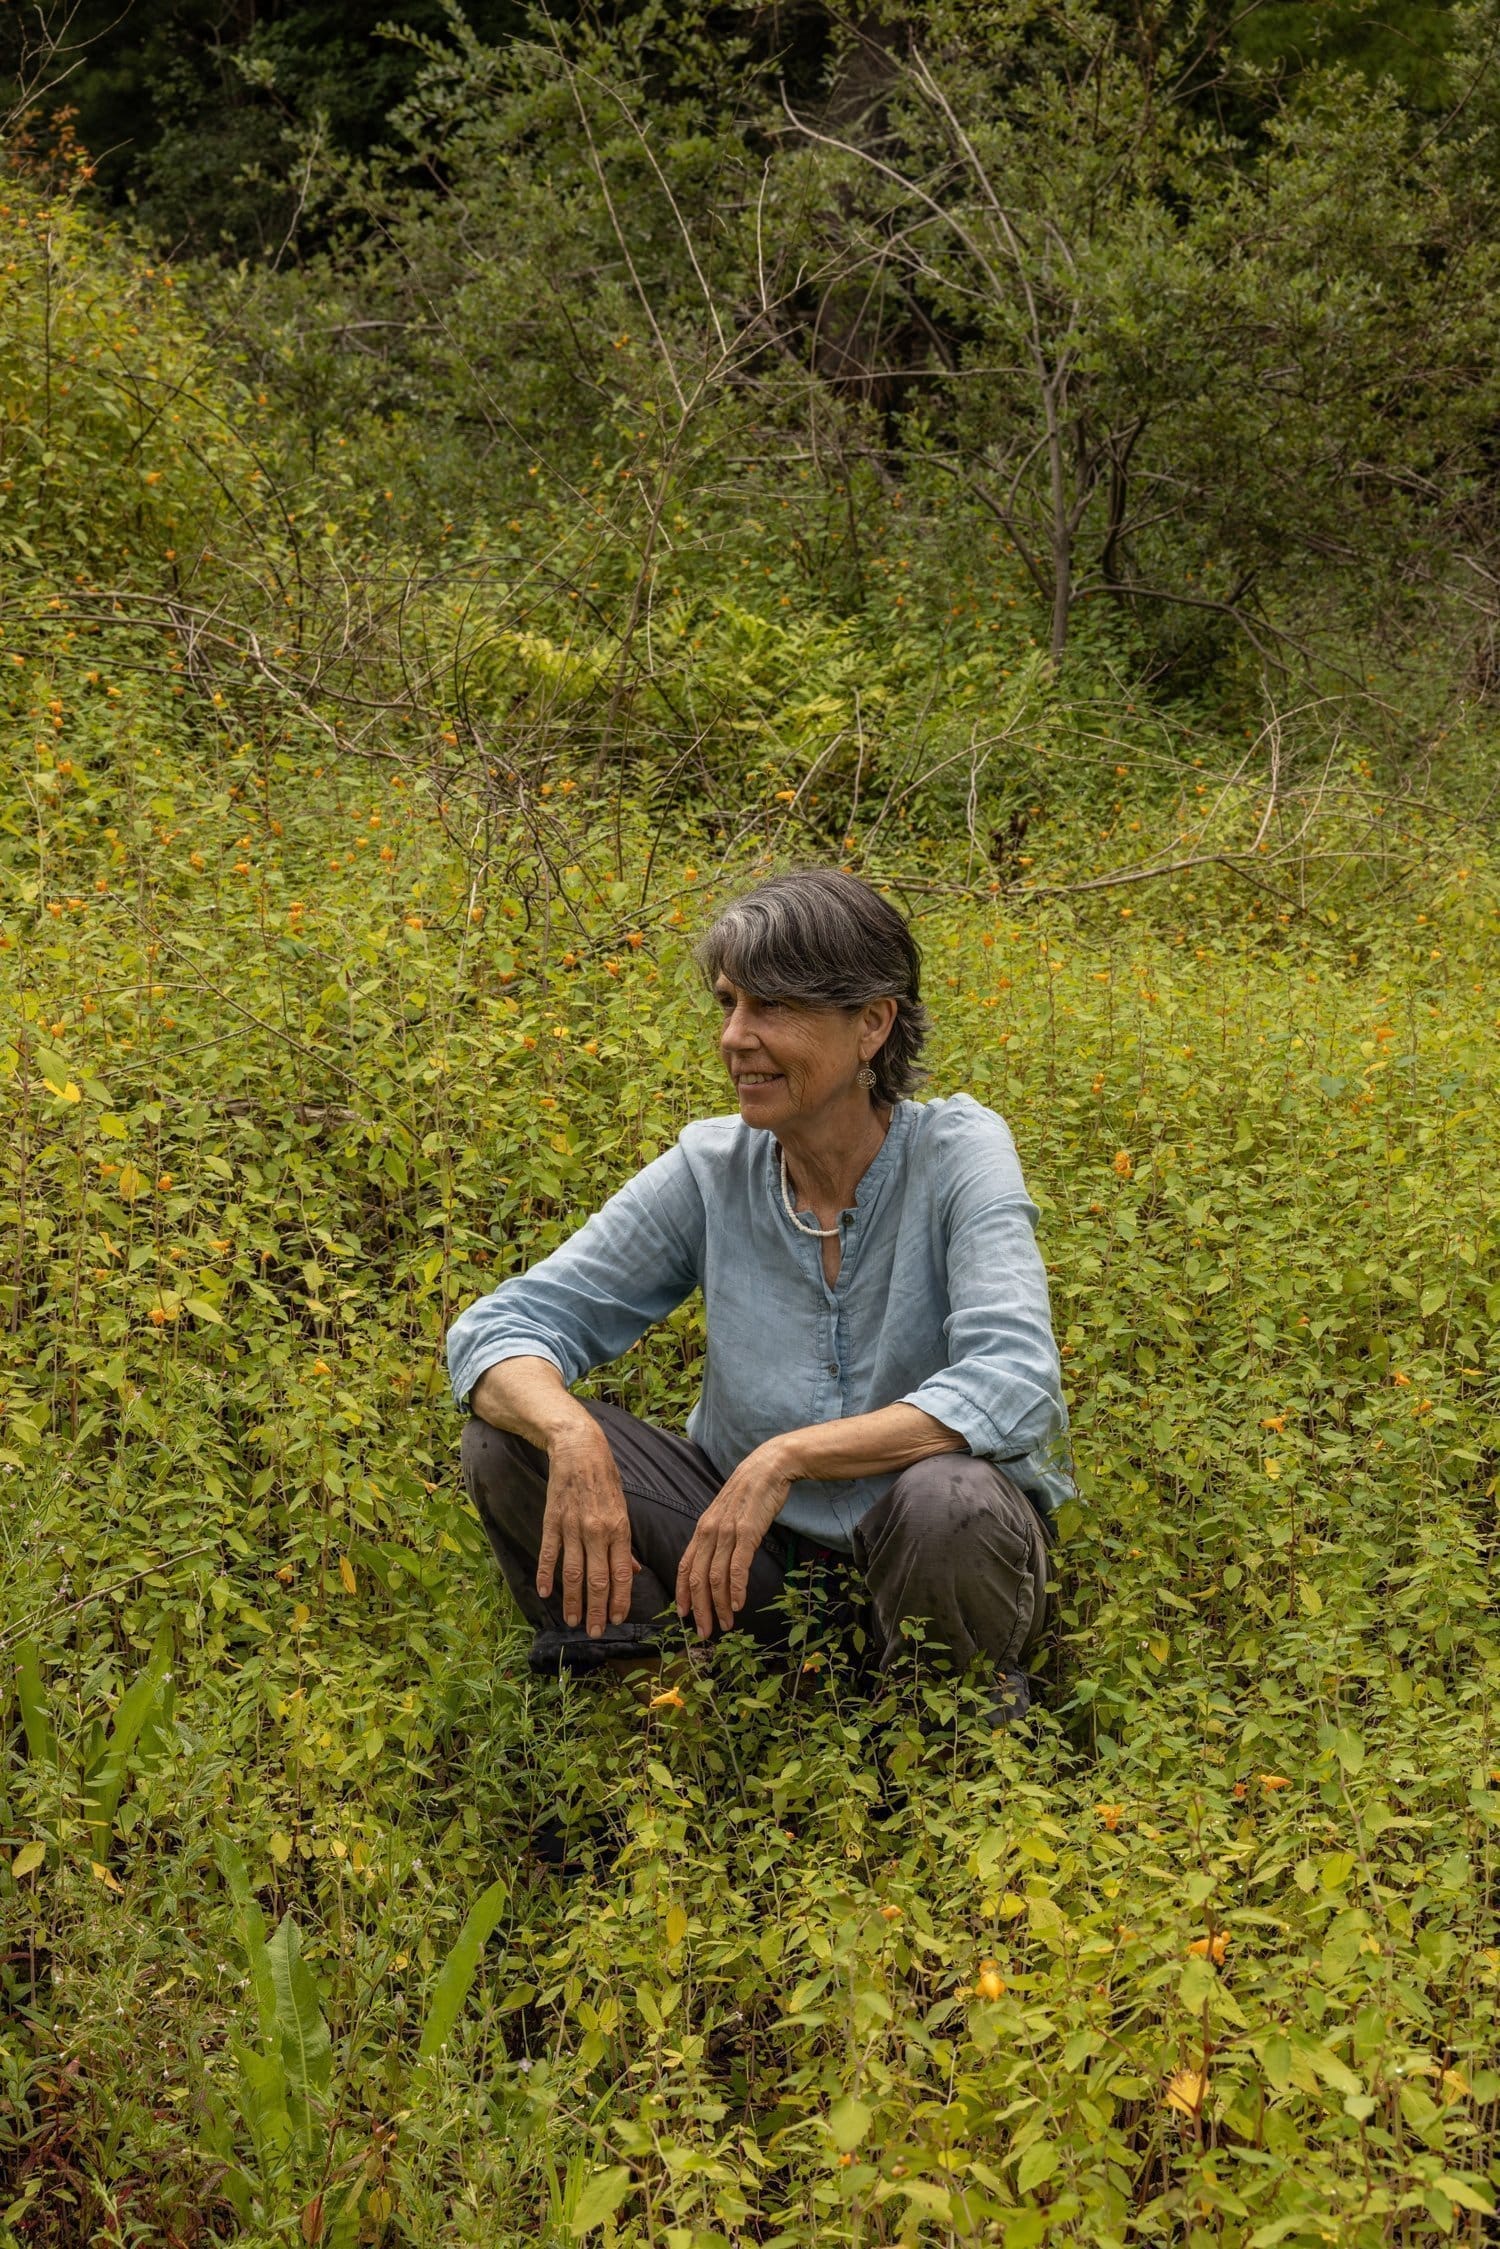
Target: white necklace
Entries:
(823, 1233)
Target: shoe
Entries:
(1011, 1703)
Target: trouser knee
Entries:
(499, 1473)
(958, 1547)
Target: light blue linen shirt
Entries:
(941, 1300)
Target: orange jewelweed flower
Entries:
(156, 1315)
(1124, 1164)
(1276, 1421)
(890, 1913)
(1270, 1782)
(636, 940)
(320, 1366)
(1185, 2091)
(669, 1699)
(1210, 1948)
(1109, 1815)
(990, 1983)
(1402, 1381)
(164, 1182)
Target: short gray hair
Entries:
(830, 940)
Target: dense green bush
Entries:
(348, 866)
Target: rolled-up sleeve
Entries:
(1001, 1390)
(629, 1265)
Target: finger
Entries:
(572, 1576)
(683, 1595)
(621, 1562)
(703, 1604)
(719, 1583)
(546, 1564)
(596, 1563)
(739, 1576)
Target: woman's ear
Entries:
(879, 1022)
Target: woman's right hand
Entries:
(586, 1529)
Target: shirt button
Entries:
(833, 1366)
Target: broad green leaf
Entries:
(104, 1783)
(27, 1860)
(41, 1742)
(1276, 2060)
(1036, 2166)
(458, 1970)
(848, 2122)
(600, 2199)
(252, 1936)
(1466, 2194)
(306, 2050)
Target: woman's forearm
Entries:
(529, 1397)
(869, 1444)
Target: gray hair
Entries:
(828, 939)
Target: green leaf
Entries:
(1350, 1749)
(458, 1970)
(201, 1309)
(41, 1742)
(1466, 2194)
(252, 1936)
(306, 2049)
(1036, 2166)
(600, 2199)
(1197, 1984)
(105, 1781)
(263, 2102)
(848, 2122)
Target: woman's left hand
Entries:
(713, 1576)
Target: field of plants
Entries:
(348, 874)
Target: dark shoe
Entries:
(572, 1852)
(1011, 1703)
(573, 1651)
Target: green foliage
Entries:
(347, 883)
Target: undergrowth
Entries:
(316, 1024)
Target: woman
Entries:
(882, 1380)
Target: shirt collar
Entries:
(880, 1168)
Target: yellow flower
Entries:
(1185, 2091)
(1211, 1948)
(990, 1984)
(1270, 1782)
(669, 1699)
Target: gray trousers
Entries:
(953, 1543)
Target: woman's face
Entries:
(791, 1061)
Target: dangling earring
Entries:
(865, 1076)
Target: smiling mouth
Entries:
(758, 1077)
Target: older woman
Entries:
(882, 1380)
